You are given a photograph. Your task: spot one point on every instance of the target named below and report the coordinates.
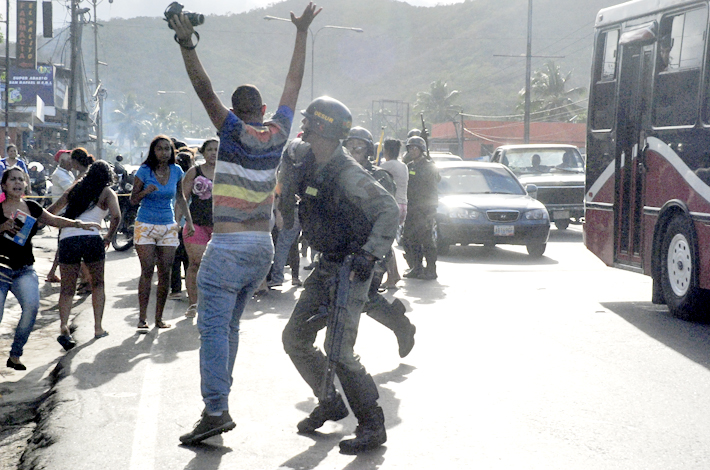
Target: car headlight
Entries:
(536, 214)
(464, 214)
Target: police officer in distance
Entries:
(422, 200)
(360, 145)
(343, 211)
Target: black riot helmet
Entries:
(360, 133)
(328, 118)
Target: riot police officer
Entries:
(361, 146)
(343, 212)
(422, 200)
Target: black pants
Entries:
(180, 260)
(418, 236)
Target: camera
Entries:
(176, 8)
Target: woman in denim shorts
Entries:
(90, 199)
(157, 188)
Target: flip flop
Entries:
(162, 324)
(101, 335)
(142, 326)
(66, 341)
(52, 279)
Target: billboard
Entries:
(26, 45)
(27, 84)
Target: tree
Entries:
(550, 99)
(437, 104)
(130, 120)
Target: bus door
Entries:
(636, 70)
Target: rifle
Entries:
(336, 328)
(425, 136)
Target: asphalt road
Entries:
(554, 363)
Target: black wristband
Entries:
(184, 45)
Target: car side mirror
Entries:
(532, 190)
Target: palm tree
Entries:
(130, 120)
(437, 104)
(549, 97)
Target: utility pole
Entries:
(528, 71)
(74, 64)
(99, 95)
(7, 74)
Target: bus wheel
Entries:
(680, 270)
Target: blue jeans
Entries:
(283, 246)
(23, 283)
(233, 266)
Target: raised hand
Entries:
(182, 27)
(304, 21)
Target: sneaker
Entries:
(296, 282)
(333, 411)
(175, 295)
(208, 426)
(274, 283)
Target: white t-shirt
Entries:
(61, 181)
(400, 173)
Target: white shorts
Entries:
(159, 235)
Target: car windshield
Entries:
(543, 160)
(478, 181)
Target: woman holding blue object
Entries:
(157, 188)
(17, 274)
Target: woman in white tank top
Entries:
(90, 199)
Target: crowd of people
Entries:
(236, 221)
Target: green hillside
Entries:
(401, 51)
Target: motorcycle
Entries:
(39, 184)
(123, 238)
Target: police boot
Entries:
(362, 395)
(370, 434)
(429, 273)
(415, 272)
(325, 411)
(393, 317)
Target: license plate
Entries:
(560, 215)
(504, 230)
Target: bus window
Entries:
(609, 60)
(605, 80)
(680, 50)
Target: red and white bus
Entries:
(647, 201)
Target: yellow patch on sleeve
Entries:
(412, 172)
(311, 191)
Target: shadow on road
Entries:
(121, 359)
(324, 443)
(691, 339)
(208, 456)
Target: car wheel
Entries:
(536, 250)
(679, 270)
(562, 224)
(442, 246)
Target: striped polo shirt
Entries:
(245, 174)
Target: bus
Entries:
(647, 199)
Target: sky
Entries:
(133, 8)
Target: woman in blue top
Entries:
(157, 186)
